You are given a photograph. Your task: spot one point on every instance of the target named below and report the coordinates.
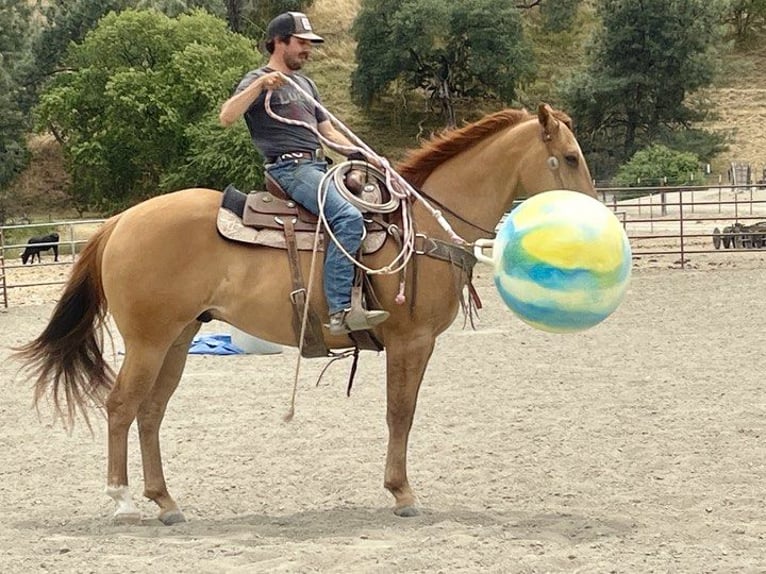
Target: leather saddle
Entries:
(272, 219)
(259, 217)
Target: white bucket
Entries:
(253, 345)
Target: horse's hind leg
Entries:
(406, 362)
(134, 382)
(150, 415)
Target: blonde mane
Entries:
(420, 163)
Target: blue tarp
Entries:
(218, 344)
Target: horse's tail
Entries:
(66, 358)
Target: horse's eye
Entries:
(572, 160)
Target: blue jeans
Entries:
(300, 180)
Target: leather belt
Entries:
(297, 155)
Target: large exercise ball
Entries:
(562, 261)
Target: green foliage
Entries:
(250, 18)
(559, 15)
(747, 19)
(68, 21)
(648, 57)
(140, 82)
(558, 33)
(703, 144)
(175, 8)
(216, 156)
(15, 29)
(657, 165)
(452, 51)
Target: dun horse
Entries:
(161, 265)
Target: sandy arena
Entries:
(638, 446)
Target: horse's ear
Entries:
(547, 120)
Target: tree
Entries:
(748, 19)
(140, 88)
(657, 165)
(15, 30)
(68, 21)
(452, 51)
(250, 18)
(65, 21)
(644, 62)
(559, 15)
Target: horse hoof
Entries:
(172, 517)
(407, 511)
(127, 518)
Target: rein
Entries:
(456, 215)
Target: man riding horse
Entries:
(294, 157)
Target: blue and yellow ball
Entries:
(562, 261)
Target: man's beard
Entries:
(295, 63)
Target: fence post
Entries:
(719, 193)
(681, 227)
(2, 268)
(691, 192)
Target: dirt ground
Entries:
(637, 446)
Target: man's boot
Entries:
(355, 319)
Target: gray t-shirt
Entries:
(273, 137)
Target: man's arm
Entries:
(235, 107)
(328, 130)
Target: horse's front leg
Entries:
(406, 361)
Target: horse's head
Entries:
(477, 171)
(552, 158)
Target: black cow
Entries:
(43, 243)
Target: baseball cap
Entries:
(292, 24)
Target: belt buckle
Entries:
(319, 154)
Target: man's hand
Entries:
(379, 163)
(273, 81)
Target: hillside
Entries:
(739, 99)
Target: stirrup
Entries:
(355, 319)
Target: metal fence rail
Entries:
(681, 221)
(659, 221)
(70, 243)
